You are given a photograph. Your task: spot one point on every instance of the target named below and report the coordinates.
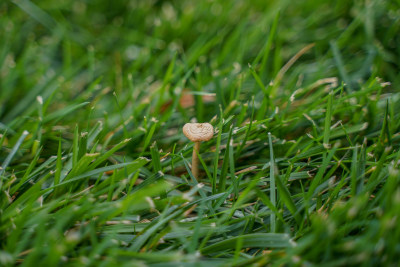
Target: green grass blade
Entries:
(10, 156)
(261, 240)
(272, 178)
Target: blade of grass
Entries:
(216, 154)
(272, 178)
(225, 164)
(259, 240)
(10, 156)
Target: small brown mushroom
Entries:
(197, 132)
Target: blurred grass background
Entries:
(80, 41)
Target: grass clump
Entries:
(303, 168)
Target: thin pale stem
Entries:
(195, 160)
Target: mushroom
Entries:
(197, 132)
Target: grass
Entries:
(303, 169)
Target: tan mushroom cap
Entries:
(197, 132)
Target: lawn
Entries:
(302, 168)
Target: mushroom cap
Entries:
(197, 132)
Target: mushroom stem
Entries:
(197, 132)
(195, 160)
